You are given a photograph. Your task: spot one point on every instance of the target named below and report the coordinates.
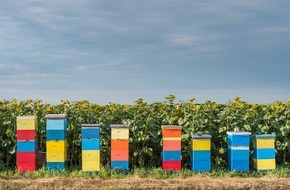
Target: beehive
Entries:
(90, 147)
(120, 147)
(201, 152)
(26, 131)
(264, 152)
(56, 141)
(238, 150)
(171, 147)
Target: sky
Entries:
(119, 51)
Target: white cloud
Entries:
(28, 79)
(210, 48)
(11, 66)
(197, 38)
(203, 43)
(272, 30)
(183, 39)
(109, 65)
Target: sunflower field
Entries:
(145, 122)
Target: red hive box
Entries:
(26, 135)
(26, 161)
(171, 165)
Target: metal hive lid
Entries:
(26, 117)
(199, 135)
(238, 133)
(172, 126)
(119, 126)
(264, 136)
(90, 125)
(55, 116)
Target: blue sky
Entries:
(119, 51)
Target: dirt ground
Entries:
(148, 183)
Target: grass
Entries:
(146, 178)
(155, 173)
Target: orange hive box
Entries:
(171, 131)
(120, 145)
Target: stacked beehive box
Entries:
(26, 143)
(264, 152)
(90, 147)
(201, 152)
(120, 147)
(171, 145)
(238, 150)
(56, 143)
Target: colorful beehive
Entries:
(26, 160)
(201, 152)
(90, 147)
(56, 143)
(238, 150)
(171, 145)
(120, 147)
(264, 152)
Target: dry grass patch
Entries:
(206, 183)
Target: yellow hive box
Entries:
(120, 133)
(91, 155)
(56, 146)
(56, 157)
(265, 164)
(90, 165)
(171, 138)
(200, 144)
(263, 143)
(26, 122)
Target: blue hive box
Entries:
(120, 165)
(56, 165)
(55, 134)
(90, 144)
(171, 155)
(26, 146)
(90, 131)
(56, 124)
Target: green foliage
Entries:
(145, 122)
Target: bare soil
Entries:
(206, 183)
